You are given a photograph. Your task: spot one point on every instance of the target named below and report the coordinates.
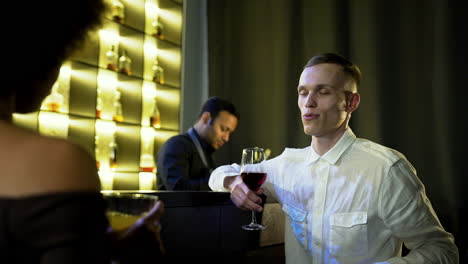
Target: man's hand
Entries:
(241, 195)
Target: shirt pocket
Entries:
(297, 218)
(348, 234)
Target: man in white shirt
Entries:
(347, 200)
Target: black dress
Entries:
(54, 228)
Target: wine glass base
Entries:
(252, 227)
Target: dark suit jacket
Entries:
(179, 166)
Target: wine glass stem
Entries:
(254, 218)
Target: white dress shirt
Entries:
(356, 204)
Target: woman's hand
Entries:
(152, 218)
(141, 242)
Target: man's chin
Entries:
(216, 147)
(309, 131)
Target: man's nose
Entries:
(226, 137)
(311, 100)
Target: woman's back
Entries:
(31, 164)
(51, 210)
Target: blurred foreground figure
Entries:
(51, 208)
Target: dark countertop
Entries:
(189, 198)
(204, 223)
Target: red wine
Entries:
(254, 179)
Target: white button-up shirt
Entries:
(356, 204)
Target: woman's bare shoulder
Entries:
(37, 164)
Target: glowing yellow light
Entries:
(105, 127)
(171, 16)
(107, 179)
(170, 96)
(147, 133)
(109, 35)
(146, 180)
(85, 76)
(149, 90)
(170, 55)
(150, 47)
(107, 79)
(164, 135)
(31, 117)
(132, 43)
(152, 9)
(53, 124)
(65, 69)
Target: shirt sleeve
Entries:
(216, 181)
(406, 210)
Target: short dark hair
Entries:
(348, 67)
(214, 105)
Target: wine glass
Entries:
(253, 177)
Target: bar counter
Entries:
(207, 225)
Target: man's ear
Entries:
(352, 101)
(206, 117)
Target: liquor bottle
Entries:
(125, 64)
(111, 57)
(113, 150)
(155, 119)
(147, 158)
(158, 72)
(158, 28)
(118, 112)
(118, 11)
(99, 104)
(54, 101)
(97, 151)
(147, 163)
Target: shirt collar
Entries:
(336, 151)
(206, 147)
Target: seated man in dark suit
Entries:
(185, 161)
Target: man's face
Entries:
(322, 100)
(218, 132)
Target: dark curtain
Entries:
(412, 57)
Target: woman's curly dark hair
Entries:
(50, 31)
